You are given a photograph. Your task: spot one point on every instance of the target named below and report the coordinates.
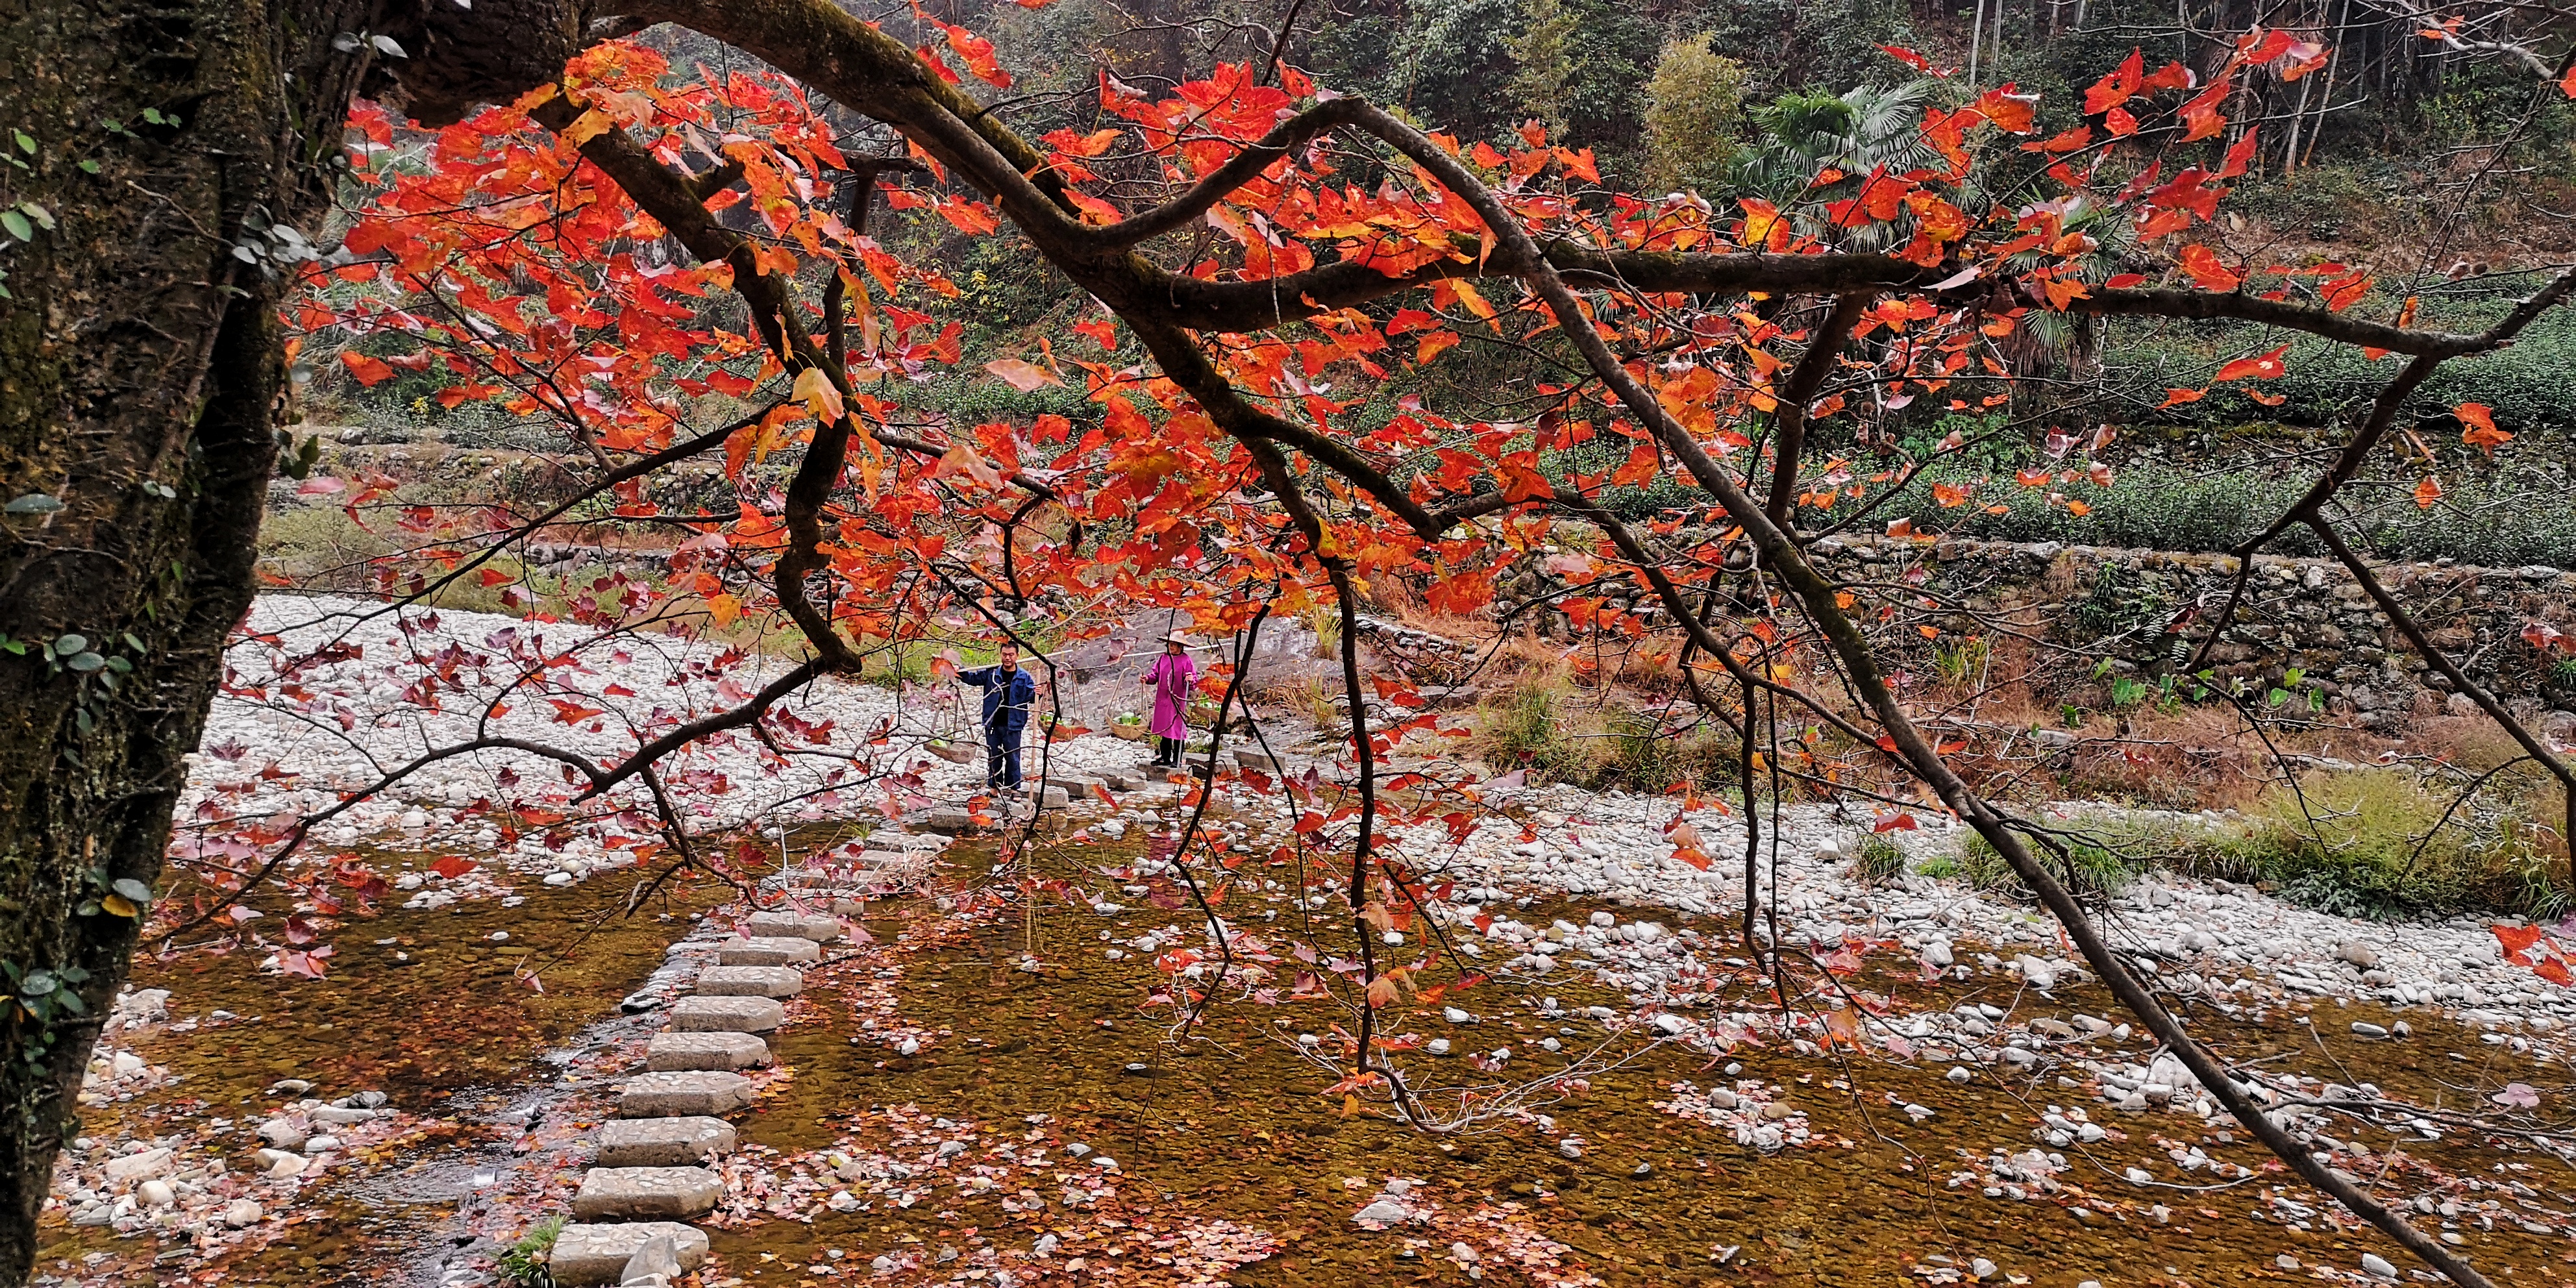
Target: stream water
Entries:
(1227, 1127)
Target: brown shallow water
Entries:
(1231, 1126)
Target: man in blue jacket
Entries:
(1008, 694)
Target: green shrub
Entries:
(2520, 511)
(314, 541)
(322, 548)
(2318, 199)
(2326, 382)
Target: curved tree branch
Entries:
(1823, 350)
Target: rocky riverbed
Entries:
(995, 1081)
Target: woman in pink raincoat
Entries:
(1170, 677)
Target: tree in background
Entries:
(1543, 85)
(1694, 114)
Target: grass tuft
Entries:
(1879, 862)
(524, 1262)
(2384, 845)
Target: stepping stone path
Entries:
(793, 925)
(648, 1177)
(663, 1142)
(768, 950)
(703, 1014)
(951, 819)
(684, 1052)
(646, 1194)
(751, 981)
(662, 1095)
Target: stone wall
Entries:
(2145, 611)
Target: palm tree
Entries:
(1799, 136)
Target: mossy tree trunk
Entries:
(141, 379)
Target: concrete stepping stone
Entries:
(768, 950)
(726, 1015)
(751, 981)
(587, 1255)
(680, 1052)
(793, 925)
(679, 1095)
(943, 818)
(663, 1142)
(647, 1193)
(887, 838)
